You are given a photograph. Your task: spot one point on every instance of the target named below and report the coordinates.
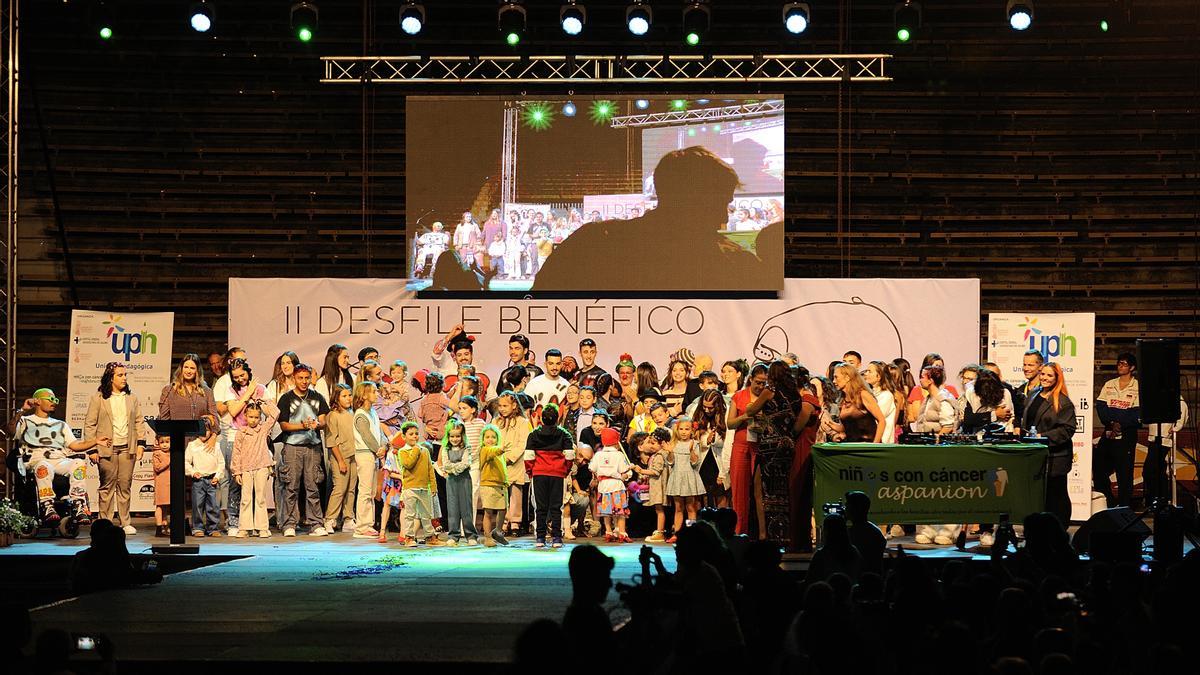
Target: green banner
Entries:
(933, 483)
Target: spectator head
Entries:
(853, 358)
(591, 574)
(858, 506)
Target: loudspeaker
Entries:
(1114, 534)
(1158, 380)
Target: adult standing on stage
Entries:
(1118, 408)
(800, 476)
(280, 384)
(860, 417)
(743, 457)
(468, 241)
(1049, 409)
(1031, 365)
(935, 410)
(335, 371)
(114, 413)
(187, 397)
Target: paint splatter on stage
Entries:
(377, 566)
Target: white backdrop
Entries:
(818, 319)
(1070, 340)
(143, 343)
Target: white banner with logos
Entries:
(141, 341)
(617, 207)
(817, 319)
(1070, 340)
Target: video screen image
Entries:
(596, 194)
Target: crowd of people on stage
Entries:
(560, 448)
(516, 245)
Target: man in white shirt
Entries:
(230, 493)
(549, 387)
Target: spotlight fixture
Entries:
(638, 17)
(569, 109)
(572, 16)
(412, 17)
(796, 17)
(200, 16)
(602, 111)
(641, 104)
(304, 20)
(1020, 14)
(696, 18)
(510, 19)
(907, 19)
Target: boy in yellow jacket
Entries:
(419, 486)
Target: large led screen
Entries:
(591, 195)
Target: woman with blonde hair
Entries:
(187, 397)
(1050, 414)
(370, 445)
(860, 418)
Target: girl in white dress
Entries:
(684, 486)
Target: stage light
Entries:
(510, 19)
(412, 17)
(304, 20)
(200, 16)
(679, 104)
(1020, 14)
(1103, 26)
(907, 19)
(641, 104)
(638, 17)
(696, 19)
(538, 116)
(102, 21)
(572, 17)
(795, 17)
(569, 109)
(602, 111)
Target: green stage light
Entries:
(602, 111)
(538, 116)
(903, 35)
(691, 132)
(304, 34)
(106, 33)
(679, 104)
(1103, 26)
(693, 39)
(513, 39)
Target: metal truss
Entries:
(513, 69)
(8, 197)
(719, 114)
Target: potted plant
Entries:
(12, 522)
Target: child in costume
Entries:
(611, 469)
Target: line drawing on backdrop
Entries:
(764, 351)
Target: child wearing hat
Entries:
(611, 468)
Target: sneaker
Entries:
(215, 533)
(369, 533)
(489, 542)
(411, 543)
(349, 525)
(129, 530)
(264, 534)
(233, 531)
(330, 526)
(987, 539)
(926, 533)
(896, 531)
(318, 531)
(197, 533)
(556, 542)
(241, 534)
(923, 538)
(541, 543)
(498, 537)
(656, 537)
(452, 542)
(434, 541)
(289, 532)
(472, 542)
(942, 540)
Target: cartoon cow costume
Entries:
(49, 447)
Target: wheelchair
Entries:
(68, 516)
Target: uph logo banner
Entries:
(1070, 340)
(140, 341)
